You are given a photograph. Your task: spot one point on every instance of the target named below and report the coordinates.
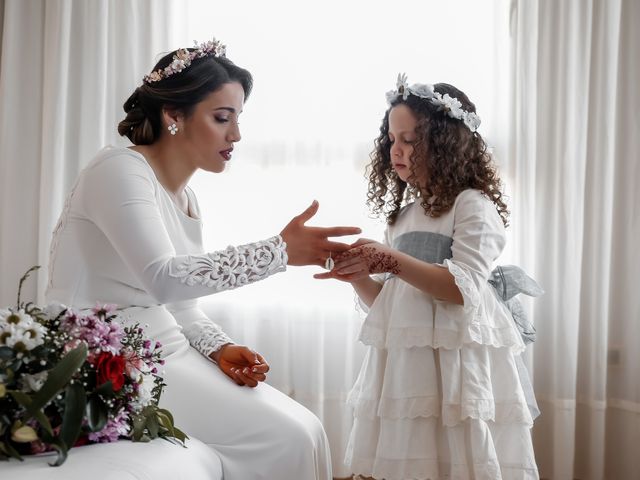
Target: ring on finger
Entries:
(328, 263)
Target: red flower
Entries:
(110, 367)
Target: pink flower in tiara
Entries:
(212, 47)
(153, 77)
(182, 54)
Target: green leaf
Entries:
(26, 401)
(170, 430)
(96, 413)
(62, 450)
(47, 437)
(9, 451)
(138, 427)
(43, 421)
(22, 398)
(165, 412)
(152, 425)
(165, 422)
(106, 389)
(180, 435)
(74, 409)
(59, 376)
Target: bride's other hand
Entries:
(243, 365)
(311, 245)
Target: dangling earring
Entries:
(173, 128)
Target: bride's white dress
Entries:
(122, 240)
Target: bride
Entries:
(130, 234)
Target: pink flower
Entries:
(116, 427)
(134, 365)
(100, 335)
(70, 345)
(104, 309)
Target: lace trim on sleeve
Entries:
(234, 266)
(463, 280)
(206, 337)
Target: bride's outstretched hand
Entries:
(311, 245)
(243, 365)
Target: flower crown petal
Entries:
(449, 105)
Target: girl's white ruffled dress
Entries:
(438, 395)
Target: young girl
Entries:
(439, 395)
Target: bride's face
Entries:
(212, 129)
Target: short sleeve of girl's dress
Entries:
(478, 240)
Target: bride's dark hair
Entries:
(180, 91)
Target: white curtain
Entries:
(574, 173)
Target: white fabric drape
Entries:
(574, 172)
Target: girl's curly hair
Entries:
(452, 157)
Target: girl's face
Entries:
(211, 130)
(402, 134)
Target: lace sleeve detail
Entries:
(120, 196)
(234, 266)
(203, 333)
(206, 337)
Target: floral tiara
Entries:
(450, 105)
(183, 58)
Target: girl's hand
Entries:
(365, 258)
(243, 365)
(311, 245)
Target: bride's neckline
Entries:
(190, 213)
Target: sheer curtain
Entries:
(575, 174)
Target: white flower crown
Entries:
(450, 105)
(183, 58)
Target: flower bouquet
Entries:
(70, 378)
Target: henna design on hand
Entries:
(377, 262)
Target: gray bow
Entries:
(508, 281)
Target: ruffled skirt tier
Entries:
(438, 395)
